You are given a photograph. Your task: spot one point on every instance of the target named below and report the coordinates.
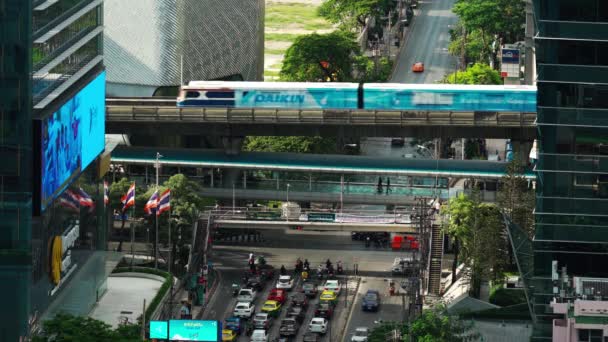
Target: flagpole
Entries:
(157, 165)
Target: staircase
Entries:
(435, 260)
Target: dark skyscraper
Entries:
(572, 170)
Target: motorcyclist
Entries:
(283, 270)
(306, 264)
(328, 263)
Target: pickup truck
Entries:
(289, 327)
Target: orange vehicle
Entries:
(418, 67)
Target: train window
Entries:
(192, 94)
(220, 94)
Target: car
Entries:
(371, 301)
(311, 337)
(328, 296)
(299, 299)
(262, 320)
(318, 325)
(418, 67)
(246, 295)
(397, 142)
(259, 335)
(235, 324)
(285, 282)
(361, 335)
(310, 289)
(332, 285)
(324, 309)
(401, 265)
(229, 335)
(278, 295)
(244, 309)
(297, 312)
(271, 307)
(266, 271)
(289, 327)
(255, 282)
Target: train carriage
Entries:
(289, 95)
(449, 97)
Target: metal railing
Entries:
(171, 113)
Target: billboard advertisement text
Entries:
(190, 330)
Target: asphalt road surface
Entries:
(427, 42)
(283, 249)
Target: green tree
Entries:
(326, 57)
(290, 144)
(437, 325)
(478, 73)
(368, 70)
(481, 21)
(354, 13)
(516, 198)
(69, 328)
(480, 241)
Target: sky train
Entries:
(368, 96)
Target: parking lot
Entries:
(337, 322)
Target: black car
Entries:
(311, 337)
(371, 301)
(297, 312)
(299, 299)
(324, 309)
(255, 282)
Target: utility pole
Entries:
(388, 37)
(157, 166)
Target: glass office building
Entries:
(52, 98)
(572, 169)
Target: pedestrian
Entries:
(379, 185)
(388, 185)
(185, 310)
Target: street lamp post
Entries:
(157, 166)
(288, 186)
(233, 197)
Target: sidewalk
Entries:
(182, 293)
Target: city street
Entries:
(283, 248)
(427, 42)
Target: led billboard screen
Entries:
(72, 138)
(159, 329)
(188, 330)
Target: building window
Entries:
(590, 335)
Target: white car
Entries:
(259, 335)
(285, 282)
(361, 335)
(318, 325)
(246, 295)
(244, 309)
(332, 285)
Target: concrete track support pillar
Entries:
(521, 149)
(232, 145)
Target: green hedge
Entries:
(151, 307)
(506, 297)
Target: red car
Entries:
(418, 67)
(278, 295)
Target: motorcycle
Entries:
(235, 289)
(340, 269)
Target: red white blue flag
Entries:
(128, 200)
(106, 193)
(152, 204)
(164, 204)
(68, 200)
(84, 199)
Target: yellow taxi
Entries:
(272, 307)
(229, 335)
(328, 296)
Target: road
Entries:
(283, 249)
(427, 42)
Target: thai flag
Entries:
(164, 204)
(84, 199)
(106, 193)
(128, 200)
(67, 200)
(152, 204)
